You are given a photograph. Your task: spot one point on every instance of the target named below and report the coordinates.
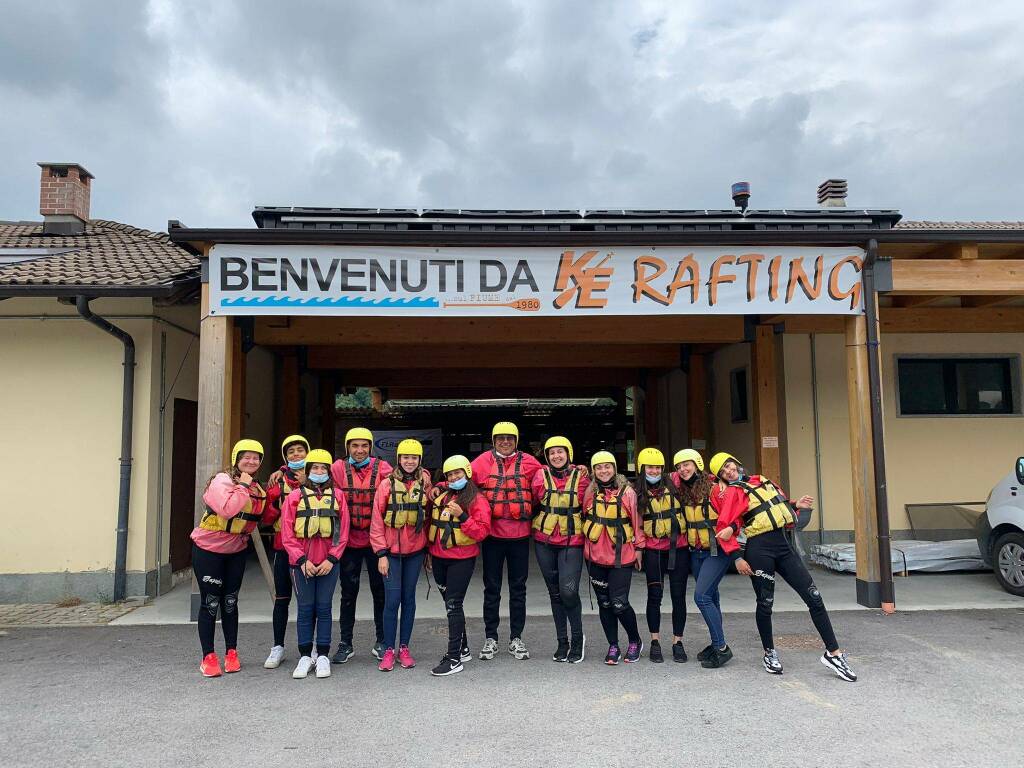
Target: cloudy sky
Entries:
(200, 110)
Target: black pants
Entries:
(282, 594)
(769, 554)
(348, 575)
(452, 578)
(562, 567)
(220, 578)
(611, 585)
(496, 552)
(656, 569)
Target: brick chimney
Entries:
(64, 198)
(832, 193)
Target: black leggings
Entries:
(282, 594)
(769, 554)
(349, 573)
(452, 578)
(220, 578)
(612, 588)
(561, 567)
(656, 568)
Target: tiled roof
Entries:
(108, 258)
(961, 225)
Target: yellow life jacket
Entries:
(317, 516)
(701, 521)
(448, 533)
(285, 488)
(405, 503)
(609, 516)
(242, 523)
(767, 509)
(663, 516)
(562, 508)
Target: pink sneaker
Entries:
(388, 662)
(405, 658)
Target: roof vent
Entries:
(64, 190)
(832, 193)
(741, 194)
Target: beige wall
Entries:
(737, 438)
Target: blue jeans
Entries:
(400, 591)
(313, 598)
(710, 570)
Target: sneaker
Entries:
(210, 667)
(633, 651)
(561, 652)
(465, 655)
(344, 653)
(772, 664)
(655, 652)
(679, 653)
(231, 661)
(705, 652)
(302, 668)
(577, 650)
(275, 658)
(405, 658)
(447, 667)
(378, 650)
(517, 648)
(718, 657)
(613, 655)
(388, 662)
(839, 665)
(323, 666)
(490, 648)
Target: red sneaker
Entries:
(387, 663)
(405, 658)
(231, 662)
(210, 666)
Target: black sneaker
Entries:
(378, 650)
(613, 656)
(447, 667)
(718, 657)
(343, 654)
(634, 651)
(839, 665)
(772, 664)
(705, 652)
(561, 652)
(678, 652)
(577, 650)
(655, 653)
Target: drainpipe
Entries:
(888, 596)
(127, 412)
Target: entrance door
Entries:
(183, 481)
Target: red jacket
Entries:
(512, 503)
(360, 494)
(476, 523)
(275, 498)
(227, 499)
(557, 537)
(602, 551)
(315, 548)
(730, 503)
(398, 541)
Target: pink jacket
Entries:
(360, 495)
(315, 548)
(398, 541)
(227, 499)
(510, 509)
(602, 551)
(557, 537)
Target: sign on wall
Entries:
(385, 444)
(436, 282)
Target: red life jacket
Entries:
(360, 497)
(509, 495)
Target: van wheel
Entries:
(1008, 562)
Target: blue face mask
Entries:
(297, 465)
(358, 464)
(458, 485)
(320, 478)
(652, 479)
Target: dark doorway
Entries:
(183, 481)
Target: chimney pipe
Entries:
(832, 193)
(64, 190)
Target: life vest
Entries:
(508, 494)
(562, 508)
(767, 509)
(701, 521)
(285, 488)
(243, 523)
(609, 516)
(448, 533)
(405, 503)
(360, 498)
(317, 516)
(664, 518)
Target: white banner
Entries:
(436, 282)
(385, 444)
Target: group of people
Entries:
(333, 518)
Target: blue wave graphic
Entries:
(343, 301)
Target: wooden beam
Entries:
(961, 277)
(492, 379)
(288, 394)
(978, 319)
(413, 392)
(214, 392)
(908, 302)
(764, 379)
(697, 403)
(979, 302)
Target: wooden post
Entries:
(288, 394)
(865, 527)
(696, 403)
(766, 405)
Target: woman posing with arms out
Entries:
(613, 546)
(558, 489)
(398, 536)
(460, 518)
(665, 550)
(314, 532)
(292, 474)
(766, 514)
(233, 508)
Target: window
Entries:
(738, 395)
(956, 386)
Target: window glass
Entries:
(955, 386)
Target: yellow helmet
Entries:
(688, 454)
(290, 441)
(245, 444)
(650, 457)
(359, 433)
(505, 428)
(603, 457)
(319, 456)
(718, 461)
(458, 461)
(558, 441)
(410, 447)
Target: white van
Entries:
(1001, 530)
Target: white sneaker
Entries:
(490, 648)
(517, 648)
(275, 658)
(840, 666)
(323, 666)
(302, 668)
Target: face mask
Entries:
(652, 479)
(318, 478)
(359, 464)
(297, 465)
(458, 485)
